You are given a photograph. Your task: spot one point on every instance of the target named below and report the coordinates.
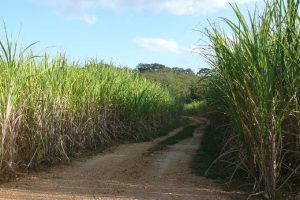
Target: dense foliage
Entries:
(182, 83)
(51, 108)
(255, 86)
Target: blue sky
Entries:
(126, 32)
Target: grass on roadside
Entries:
(210, 148)
(185, 133)
(165, 130)
(195, 107)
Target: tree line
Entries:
(183, 84)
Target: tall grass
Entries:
(51, 108)
(256, 85)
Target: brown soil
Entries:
(124, 172)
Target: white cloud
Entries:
(164, 45)
(74, 9)
(194, 49)
(80, 9)
(158, 44)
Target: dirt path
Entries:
(124, 173)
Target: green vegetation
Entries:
(209, 161)
(164, 131)
(255, 90)
(182, 83)
(195, 107)
(210, 149)
(185, 133)
(52, 109)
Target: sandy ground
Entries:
(124, 172)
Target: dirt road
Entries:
(123, 173)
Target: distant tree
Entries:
(178, 69)
(154, 67)
(189, 71)
(182, 70)
(141, 67)
(204, 72)
(179, 81)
